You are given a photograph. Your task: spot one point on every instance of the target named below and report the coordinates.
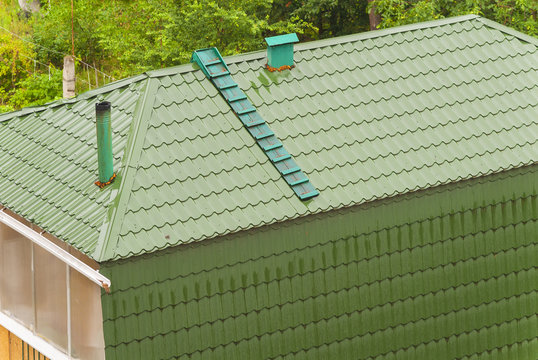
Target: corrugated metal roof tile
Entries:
(366, 117)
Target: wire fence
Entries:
(88, 74)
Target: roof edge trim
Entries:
(108, 239)
(179, 69)
(383, 32)
(508, 30)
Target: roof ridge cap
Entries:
(508, 30)
(259, 54)
(355, 37)
(109, 232)
(84, 96)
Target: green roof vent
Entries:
(280, 50)
(104, 144)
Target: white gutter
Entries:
(30, 338)
(55, 250)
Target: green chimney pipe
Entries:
(104, 142)
(280, 50)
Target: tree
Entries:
(233, 26)
(374, 16)
(328, 17)
(518, 14)
(52, 31)
(37, 89)
(15, 64)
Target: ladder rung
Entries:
(213, 76)
(237, 98)
(224, 87)
(246, 111)
(263, 136)
(308, 195)
(300, 181)
(291, 170)
(282, 158)
(213, 62)
(254, 123)
(272, 147)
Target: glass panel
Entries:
(16, 280)
(1, 263)
(51, 297)
(87, 340)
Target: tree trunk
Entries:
(375, 18)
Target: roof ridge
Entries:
(257, 54)
(316, 44)
(84, 96)
(110, 229)
(507, 30)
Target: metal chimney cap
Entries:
(282, 39)
(102, 106)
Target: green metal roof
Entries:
(48, 162)
(367, 116)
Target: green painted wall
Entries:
(440, 274)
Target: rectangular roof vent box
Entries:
(280, 50)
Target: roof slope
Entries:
(366, 117)
(48, 162)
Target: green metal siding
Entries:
(445, 273)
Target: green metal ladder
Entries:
(218, 73)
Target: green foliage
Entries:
(15, 63)
(36, 90)
(133, 36)
(6, 108)
(126, 37)
(231, 26)
(518, 14)
(52, 30)
(331, 17)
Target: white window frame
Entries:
(28, 336)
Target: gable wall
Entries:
(444, 273)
